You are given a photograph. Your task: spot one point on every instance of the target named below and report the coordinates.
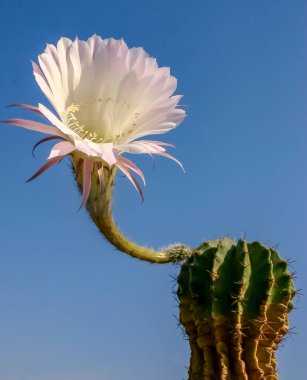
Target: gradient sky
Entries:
(72, 308)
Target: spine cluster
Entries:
(234, 304)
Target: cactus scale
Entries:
(234, 304)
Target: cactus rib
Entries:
(234, 304)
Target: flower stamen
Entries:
(71, 121)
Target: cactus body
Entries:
(234, 304)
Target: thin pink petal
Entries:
(51, 117)
(78, 168)
(153, 148)
(62, 148)
(104, 151)
(44, 140)
(143, 146)
(56, 121)
(172, 158)
(50, 163)
(27, 106)
(108, 157)
(101, 179)
(159, 143)
(35, 126)
(130, 176)
(131, 166)
(37, 70)
(87, 179)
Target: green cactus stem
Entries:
(99, 205)
(234, 304)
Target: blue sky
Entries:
(72, 308)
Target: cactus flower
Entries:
(106, 99)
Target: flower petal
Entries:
(130, 165)
(52, 74)
(43, 83)
(142, 146)
(35, 126)
(48, 165)
(131, 177)
(104, 151)
(56, 121)
(87, 179)
(44, 140)
(27, 106)
(173, 159)
(62, 148)
(149, 147)
(101, 179)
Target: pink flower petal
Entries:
(143, 146)
(84, 148)
(101, 179)
(172, 158)
(44, 140)
(55, 120)
(109, 157)
(37, 70)
(78, 168)
(130, 165)
(87, 179)
(131, 178)
(104, 151)
(27, 106)
(159, 143)
(62, 148)
(48, 165)
(35, 126)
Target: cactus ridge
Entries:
(234, 304)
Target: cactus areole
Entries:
(234, 304)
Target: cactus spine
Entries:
(234, 305)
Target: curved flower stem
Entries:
(99, 205)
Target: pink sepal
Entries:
(35, 126)
(62, 148)
(172, 158)
(50, 163)
(101, 179)
(131, 177)
(26, 106)
(44, 140)
(130, 165)
(87, 179)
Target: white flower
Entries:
(106, 97)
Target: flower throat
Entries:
(72, 123)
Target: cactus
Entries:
(234, 304)
(234, 298)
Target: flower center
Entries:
(108, 120)
(72, 122)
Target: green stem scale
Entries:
(234, 298)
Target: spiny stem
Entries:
(99, 205)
